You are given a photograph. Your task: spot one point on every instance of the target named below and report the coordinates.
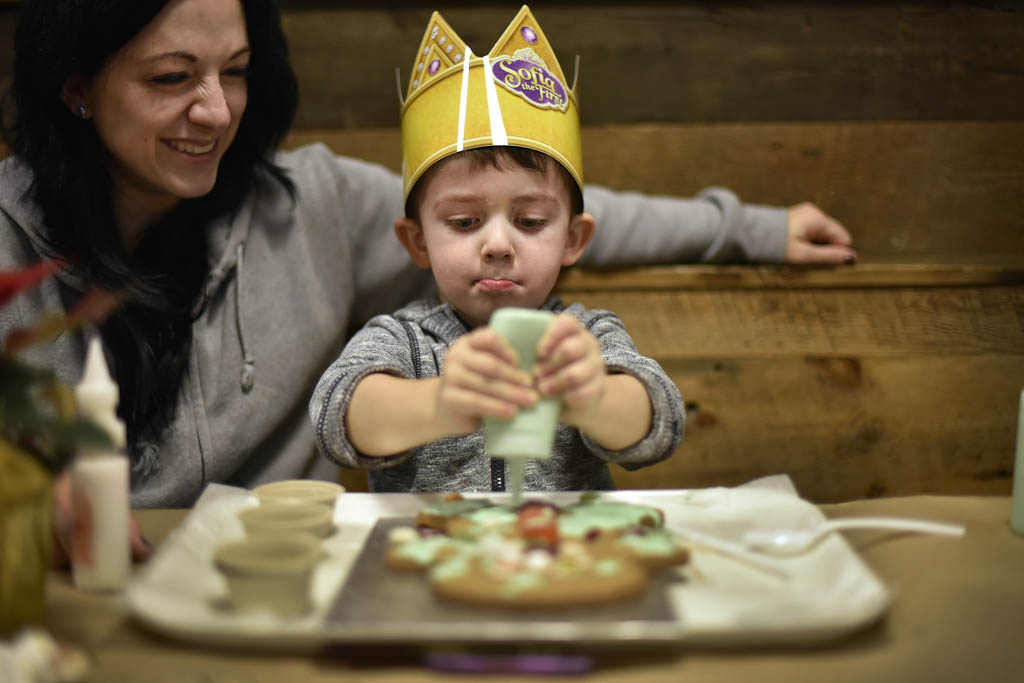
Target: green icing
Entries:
(493, 516)
(454, 508)
(519, 582)
(488, 563)
(577, 520)
(450, 569)
(650, 543)
(607, 567)
(424, 550)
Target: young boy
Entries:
(495, 215)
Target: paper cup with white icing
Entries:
(299, 491)
(287, 518)
(273, 572)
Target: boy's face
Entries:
(494, 237)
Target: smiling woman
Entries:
(166, 107)
(125, 116)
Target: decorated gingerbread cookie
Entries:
(537, 553)
(536, 577)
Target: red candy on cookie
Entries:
(537, 525)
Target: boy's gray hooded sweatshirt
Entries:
(413, 343)
(290, 279)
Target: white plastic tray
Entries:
(717, 600)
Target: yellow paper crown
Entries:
(515, 96)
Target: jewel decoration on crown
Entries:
(515, 95)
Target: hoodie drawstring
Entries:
(248, 362)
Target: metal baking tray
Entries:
(358, 598)
(381, 603)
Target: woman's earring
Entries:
(82, 111)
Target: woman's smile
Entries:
(192, 148)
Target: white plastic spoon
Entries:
(794, 541)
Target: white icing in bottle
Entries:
(100, 547)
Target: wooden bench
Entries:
(865, 381)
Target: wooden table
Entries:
(958, 615)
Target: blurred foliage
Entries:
(37, 409)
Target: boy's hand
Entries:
(569, 363)
(481, 378)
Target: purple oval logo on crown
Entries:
(526, 75)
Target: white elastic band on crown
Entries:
(398, 86)
(459, 144)
(498, 136)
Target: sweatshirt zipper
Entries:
(497, 474)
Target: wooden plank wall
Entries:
(905, 121)
(888, 380)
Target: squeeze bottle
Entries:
(531, 433)
(100, 546)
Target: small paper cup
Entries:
(287, 518)
(299, 491)
(274, 572)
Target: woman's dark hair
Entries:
(150, 336)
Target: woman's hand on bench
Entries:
(815, 237)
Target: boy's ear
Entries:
(410, 234)
(581, 231)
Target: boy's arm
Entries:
(656, 403)
(380, 348)
(622, 417)
(612, 409)
(389, 415)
